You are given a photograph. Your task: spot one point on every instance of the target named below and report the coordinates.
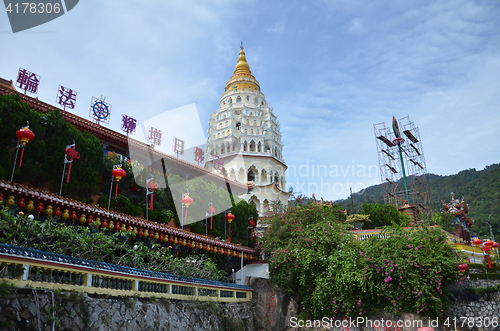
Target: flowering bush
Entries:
(409, 270)
(313, 254)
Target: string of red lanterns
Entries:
(118, 226)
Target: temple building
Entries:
(244, 140)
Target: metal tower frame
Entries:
(391, 171)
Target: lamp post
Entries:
(150, 187)
(24, 136)
(230, 217)
(225, 221)
(252, 224)
(118, 173)
(398, 141)
(211, 210)
(186, 200)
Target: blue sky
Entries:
(330, 70)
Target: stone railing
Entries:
(24, 267)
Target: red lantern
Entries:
(252, 224)
(117, 226)
(90, 220)
(21, 203)
(57, 213)
(488, 246)
(495, 245)
(161, 236)
(229, 218)
(39, 208)
(151, 235)
(170, 239)
(463, 267)
(141, 233)
(187, 200)
(211, 210)
(477, 242)
(24, 135)
(104, 224)
(118, 174)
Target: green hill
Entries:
(480, 189)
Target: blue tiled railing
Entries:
(59, 258)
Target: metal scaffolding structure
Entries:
(391, 171)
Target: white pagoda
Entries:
(244, 140)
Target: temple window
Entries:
(238, 99)
(254, 122)
(248, 98)
(251, 176)
(227, 123)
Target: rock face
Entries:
(27, 309)
(272, 309)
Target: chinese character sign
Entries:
(218, 163)
(27, 81)
(178, 147)
(66, 97)
(100, 110)
(199, 155)
(128, 124)
(154, 136)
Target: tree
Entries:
(43, 157)
(384, 215)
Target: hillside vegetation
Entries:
(480, 189)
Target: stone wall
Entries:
(475, 307)
(29, 309)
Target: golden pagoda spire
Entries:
(242, 76)
(242, 66)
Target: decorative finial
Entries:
(242, 65)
